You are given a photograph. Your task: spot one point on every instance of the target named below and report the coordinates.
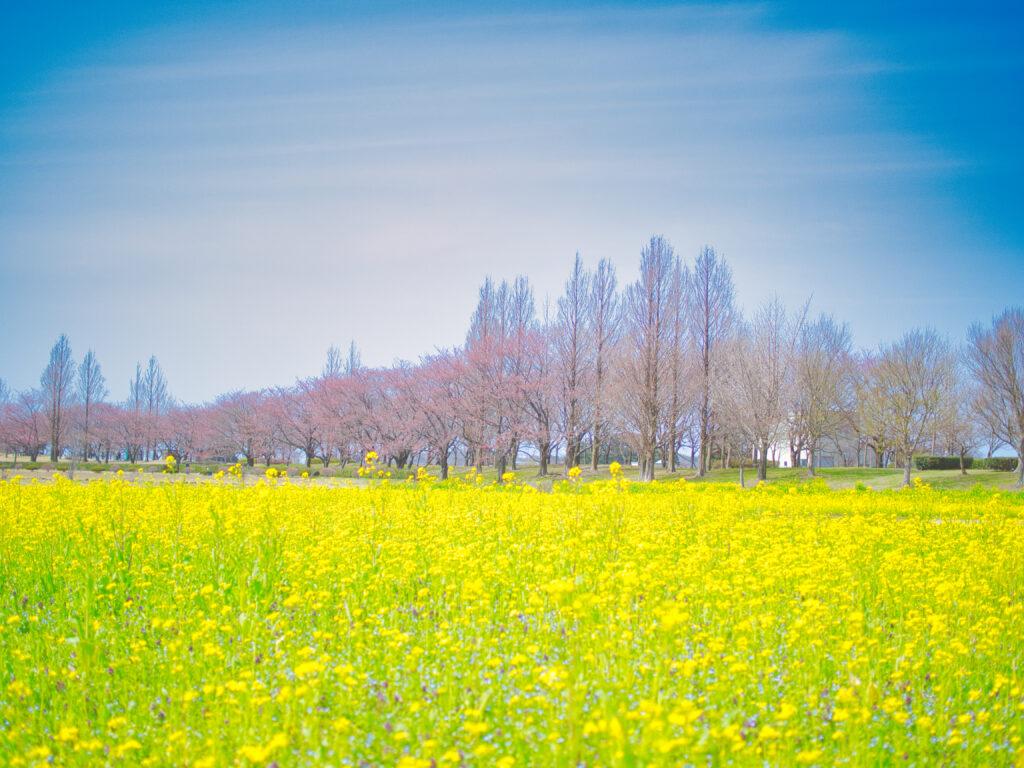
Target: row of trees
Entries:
(665, 370)
(68, 414)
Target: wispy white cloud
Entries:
(359, 179)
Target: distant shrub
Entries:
(998, 463)
(943, 462)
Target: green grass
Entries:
(838, 477)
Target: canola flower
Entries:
(462, 624)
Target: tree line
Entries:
(665, 370)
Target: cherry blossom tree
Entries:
(496, 347)
(546, 391)
(27, 426)
(185, 431)
(296, 418)
(242, 425)
(106, 435)
(436, 389)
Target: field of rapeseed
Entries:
(421, 624)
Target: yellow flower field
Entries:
(420, 624)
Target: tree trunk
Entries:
(500, 464)
(1020, 465)
(444, 463)
(545, 458)
(811, 457)
(647, 467)
(907, 463)
(963, 468)
(762, 462)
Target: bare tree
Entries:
(959, 426)
(711, 317)
(762, 376)
(92, 389)
(822, 389)
(869, 417)
(914, 377)
(678, 393)
(156, 400)
(353, 361)
(571, 344)
(334, 367)
(56, 384)
(604, 308)
(644, 351)
(995, 356)
(523, 327)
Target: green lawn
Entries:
(840, 477)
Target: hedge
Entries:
(998, 463)
(943, 462)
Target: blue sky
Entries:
(235, 186)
